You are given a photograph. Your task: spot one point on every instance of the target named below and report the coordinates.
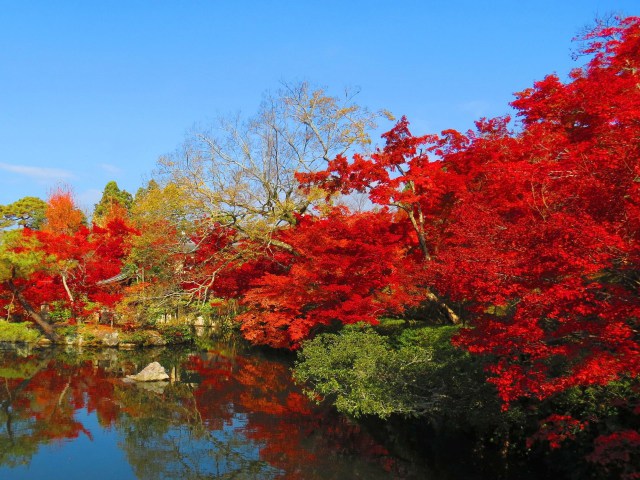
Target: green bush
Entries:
(363, 374)
(176, 334)
(18, 332)
(390, 326)
(67, 331)
(58, 314)
(416, 373)
(89, 337)
(135, 337)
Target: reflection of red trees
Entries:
(280, 418)
(291, 434)
(51, 398)
(55, 392)
(101, 400)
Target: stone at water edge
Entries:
(44, 342)
(153, 372)
(111, 339)
(154, 339)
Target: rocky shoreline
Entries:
(100, 336)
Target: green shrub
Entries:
(416, 373)
(390, 326)
(355, 369)
(135, 337)
(67, 331)
(176, 334)
(18, 332)
(58, 314)
(89, 337)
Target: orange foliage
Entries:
(62, 215)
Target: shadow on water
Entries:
(223, 414)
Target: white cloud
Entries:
(107, 167)
(38, 173)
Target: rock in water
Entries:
(154, 372)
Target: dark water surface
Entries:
(69, 414)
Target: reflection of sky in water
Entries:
(83, 458)
(178, 453)
(185, 454)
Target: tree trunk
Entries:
(451, 315)
(66, 287)
(46, 327)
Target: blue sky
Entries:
(93, 91)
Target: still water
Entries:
(224, 414)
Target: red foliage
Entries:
(402, 176)
(279, 418)
(555, 429)
(343, 269)
(76, 256)
(618, 452)
(535, 231)
(551, 213)
(212, 253)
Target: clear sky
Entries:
(93, 91)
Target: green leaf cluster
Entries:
(354, 369)
(27, 212)
(137, 337)
(59, 313)
(68, 331)
(176, 334)
(20, 256)
(112, 194)
(416, 372)
(18, 332)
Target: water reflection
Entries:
(222, 415)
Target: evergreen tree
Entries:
(27, 212)
(110, 196)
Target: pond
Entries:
(224, 414)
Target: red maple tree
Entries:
(344, 268)
(535, 229)
(76, 259)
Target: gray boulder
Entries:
(154, 372)
(111, 339)
(155, 339)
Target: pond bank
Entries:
(98, 336)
